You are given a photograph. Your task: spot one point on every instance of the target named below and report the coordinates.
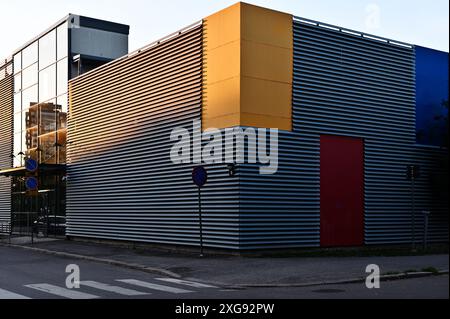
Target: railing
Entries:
(353, 32)
(5, 229)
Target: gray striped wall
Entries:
(121, 183)
(6, 122)
(348, 86)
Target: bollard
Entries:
(426, 214)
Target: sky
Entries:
(420, 22)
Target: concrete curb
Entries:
(112, 262)
(341, 281)
(169, 273)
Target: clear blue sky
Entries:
(421, 22)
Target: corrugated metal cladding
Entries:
(121, 183)
(6, 122)
(348, 86)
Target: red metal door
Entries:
(341, 191)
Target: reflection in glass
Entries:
(62, 136)
(24, 142)
(62, 103)
(47, 118)
(62, 77)
(29, 55)
(31, 117)
(47, 83)
(33, 153)
(47, 148)
(30, 76)
(62, 42)
(17, 122)
(17, 149)
(31, 138)
(17, 102)
(17, 83)
(62, 120)
(47, 49)
(30, 97)
(17, 62)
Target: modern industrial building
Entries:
(34, 104)
(354, 112)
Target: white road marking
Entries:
(62, 292)
(186, 283)
(154, 286)
(115, 289)
(5, 294)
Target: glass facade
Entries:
(40, 113)
(40, 99)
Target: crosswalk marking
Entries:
(5, 294)
(154, 286)
(186, 283)
(111, 288)
(62, 292)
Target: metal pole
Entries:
(425, 230)
(200, 220)
(55, 201)
(413, 212)
(32, 235)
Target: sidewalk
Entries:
(239, 271)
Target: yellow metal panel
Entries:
(223, 121)
(265, 121)
(221, 100)
(222, 62)
(223, 27)
(266, 62)
(221, 68)
(266, 99)
(266, 26)
(247, 67)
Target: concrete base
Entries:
(380, 250)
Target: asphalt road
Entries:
(25, 274)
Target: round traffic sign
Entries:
(31, 183)
(199, 176)
(31, 165)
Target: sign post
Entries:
(200, 177)
(412, 173)
(32, 184)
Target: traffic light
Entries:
(231, 169)
(412, 171)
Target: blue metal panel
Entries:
(431, 92)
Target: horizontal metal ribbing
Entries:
(350, 86)
(121, 182)
(6, 148)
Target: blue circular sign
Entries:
(31, 165)
(31, 183)
(199, 176)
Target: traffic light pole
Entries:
(413, 203)
(200, 220)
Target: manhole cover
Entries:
(327, 291)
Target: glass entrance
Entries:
(42, 212)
